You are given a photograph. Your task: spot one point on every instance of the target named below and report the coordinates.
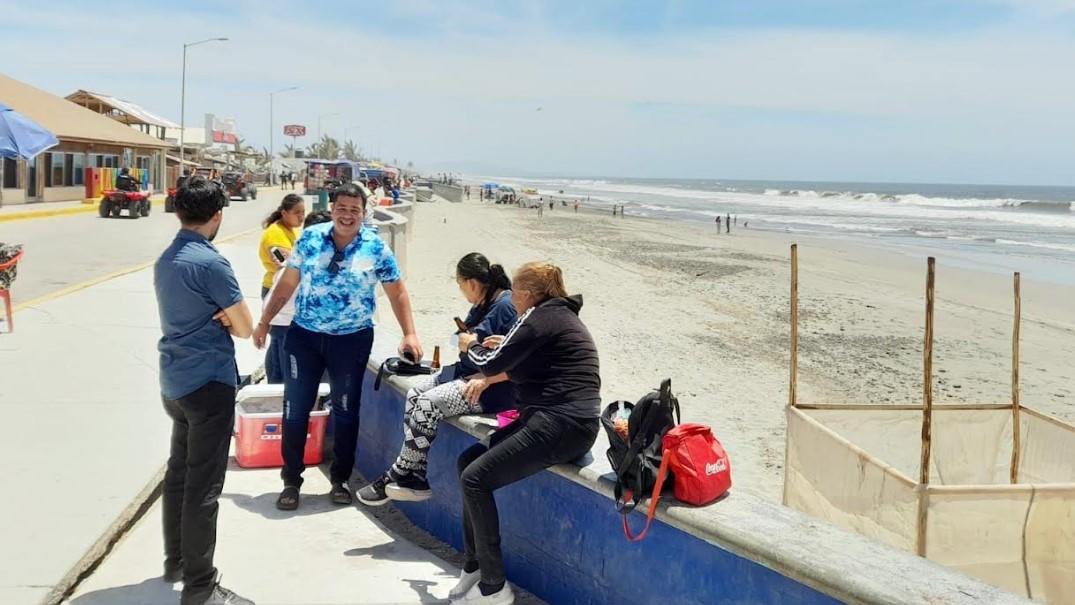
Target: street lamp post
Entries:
(183, 99)
(272, 151)
(319, 118)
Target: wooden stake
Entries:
(794, 378)
(927, 413)
(1016, 431)
(927, 376)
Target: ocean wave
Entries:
(1042, 245)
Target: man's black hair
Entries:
(348, 190)
(197, 201)
(316, 218)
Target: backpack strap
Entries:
(662, 474)
(668, 399)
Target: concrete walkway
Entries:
(86, 432)
(324, 554)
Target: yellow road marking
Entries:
(90, 206)
(98, 280)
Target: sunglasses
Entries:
(334, 264)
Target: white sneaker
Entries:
(467, 580)
(474, 596)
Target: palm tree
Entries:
(327, 148)
(350, 151)
(289, 150)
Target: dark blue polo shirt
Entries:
(193, 281)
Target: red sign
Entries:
(294, 130)
(224, 137)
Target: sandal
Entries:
(340, 494)
(289, 499)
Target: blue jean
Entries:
(275, 356)
(531, 444)
(308, 355)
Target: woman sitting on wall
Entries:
(458, 389)
(551, 358)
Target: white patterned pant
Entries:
(427, 404)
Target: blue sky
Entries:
(916, 90)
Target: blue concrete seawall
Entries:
(562, 537)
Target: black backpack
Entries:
(637, 459)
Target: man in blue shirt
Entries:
(335, 268)
(201, 308)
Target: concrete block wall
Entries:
(452, 193)
(562, 536)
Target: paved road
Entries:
(66, 250)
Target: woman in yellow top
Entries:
(281, 230)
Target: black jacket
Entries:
(552, 358)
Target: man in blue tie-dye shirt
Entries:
(335, 268)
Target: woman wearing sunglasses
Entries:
(335, 268)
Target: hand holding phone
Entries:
(278, 254)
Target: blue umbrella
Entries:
(490, 185)
(21, 137)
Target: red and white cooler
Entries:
(259, 427)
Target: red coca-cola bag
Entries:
(700, 468)
(698, 462)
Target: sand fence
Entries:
(988, 489)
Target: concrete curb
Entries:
(87, 206)
(103, 546)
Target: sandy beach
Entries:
(671, 299)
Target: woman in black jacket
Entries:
(551, 358)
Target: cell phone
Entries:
(460, 325)
(278, 254)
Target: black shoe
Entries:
(341, 494)
(374, 493)
(173, 572)
(409, 488)
(223, 596)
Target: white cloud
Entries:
(920, 99)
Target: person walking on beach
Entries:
(728, 223)
(576, 206)
(613, 210)
(201, 307)
(551, 357)
(718, 224)
(335, 267)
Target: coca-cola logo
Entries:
(716, 467)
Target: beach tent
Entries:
(988, 489)
(21, 137)
(489, 185)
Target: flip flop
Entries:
(289, 499)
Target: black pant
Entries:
(201, 433)
(309, 354)
(524, 448)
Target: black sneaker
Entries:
(223, 596)
(409, 488)
(374, 493)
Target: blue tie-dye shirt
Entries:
(344, 302)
